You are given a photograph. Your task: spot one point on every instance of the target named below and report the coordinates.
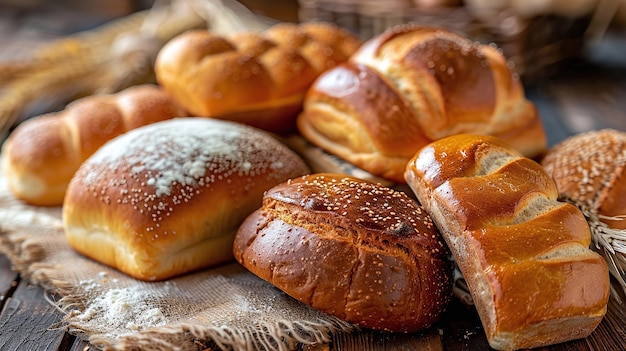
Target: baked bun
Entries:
(42, 154)
(167, 198)
(524, 255)
(258, 79)
(362, 252)
(412, 85)
(590, 170)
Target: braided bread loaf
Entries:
(412, 85)
(43, 153)
(253, 78)
(524, 255)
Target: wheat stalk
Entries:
(107, 59)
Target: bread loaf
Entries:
(253, 78)
(524, 255)
(412, 85)
(42, 154)
(357, 250)
(590, 170)
(166, 199)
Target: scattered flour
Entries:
(122, 310)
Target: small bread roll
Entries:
(255, 78)
(166, 199)
(362, 252)
(42, 154)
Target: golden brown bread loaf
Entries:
(42, 154)
(253, 78)
(166, 199)
(412, 85)
(590, 170)
(357, 250)
(524, 255)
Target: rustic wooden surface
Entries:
(27, 320)
(584, 96)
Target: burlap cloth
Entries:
(226, 305)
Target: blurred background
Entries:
(571, 54)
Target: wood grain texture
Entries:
(26, 321)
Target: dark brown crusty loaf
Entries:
(590, 170)
(524, 255)
(362, 252)
(42, 154)
(253, 78)
(412, 85)
(166, 199)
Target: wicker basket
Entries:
(536, 47)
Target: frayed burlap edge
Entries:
(283, 336)
(28, 256)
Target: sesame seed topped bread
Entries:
(354, 249)
(590, 169)
(166, 199)
(524, 254)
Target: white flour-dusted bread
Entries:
(166, 199)
(524, 255)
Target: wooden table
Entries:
(27, 316)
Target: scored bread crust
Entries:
(412, 85)
(42, 154)
(524, 255)
(359, 251)
(166, 199)
(254, 78)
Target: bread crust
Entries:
(524, 255)
(412, 85)
(166, 199)
(42, 154)
(356, 250)
(590, 170)
(238, 76)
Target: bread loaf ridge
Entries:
(524, 255)
(253, 78)
(412, 85)
(42, 154)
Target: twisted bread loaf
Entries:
(166, 199)
(524, 255)
(258, 79)
(412, 85)
(43, 153)
(357, 250)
